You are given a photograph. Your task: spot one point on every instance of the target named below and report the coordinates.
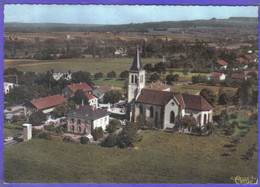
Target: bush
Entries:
(66, 139)
(110, 141)
(36, 132)
(128, 135)
(143, 123)
(233, 116)
(45, 135)
(113, 126)
(84, 140)
(97, 133)
(49, 127)
(20, 118)
(37, 118)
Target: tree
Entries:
(112, 96)
(37, 118)
(209, 95)
(98, 75)
(82, 76)
(111, 75)
(224, 98)
(160, 67)
(113, 126)
(110, 141)
(124, 75)
(63, 109)
(223, 118)
(80, 96)
(188, 122)
(148, 68)
(128, 135)
(154, 77)
(97, 133)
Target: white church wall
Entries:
(171, 106)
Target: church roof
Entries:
(186, 101)
(137, 65)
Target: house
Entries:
(64, 75)
(100, 91)
(240, 60)
(220, 64)
(249, 58)
(236, 76)
(92, 100)
(217, 76)
(158, 85)
(164, 108)
(8, 86)
(86, 118)
(69, 90)
(46, 104)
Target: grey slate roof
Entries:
(87, 112)
(137, 65)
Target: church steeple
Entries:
(136, 77)
(137, 65)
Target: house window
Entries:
(86, 122)
(79, 122)
(141, 108)
(151, 112)
(85, 130)
(72, 128)
(205, 119)
(172, 117)
(79, 129)
(72, 120)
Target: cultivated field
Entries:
(159, 158)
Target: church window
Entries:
(141, 79)
(72, 120)
(136, 79)
(172, 117)
(132, 79)
(72, 128)
(141, 108)
(79, 122)
(151, 112)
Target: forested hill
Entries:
(60, 27)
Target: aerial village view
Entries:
(94, 96)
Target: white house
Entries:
(218, 76)
(164, 108)
(86, 118)
(92, 100)
(8, 86)
(64, 75)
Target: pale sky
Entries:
(120, 14)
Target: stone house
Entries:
(86, 118)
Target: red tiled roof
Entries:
(249, 57)
(216, 74)
(196, 102)
(47, 102)
(240, 59)
(222, 62)
(90, 96)
(104, 89)
(238, 76)
(80, 86)
(188, 101)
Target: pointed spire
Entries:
(137, 65)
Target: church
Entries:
(164, 108)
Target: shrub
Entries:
(233, 116)
(113, 126)
(45, 135)
(37, 118)
(66, 139)
(110, 141)
(97, 133)
(36, 132)
(84, 140)
(49, 127)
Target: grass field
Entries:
(92, 65)
(110, 82)
(12, 129)
(159, 158)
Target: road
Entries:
(14, 141)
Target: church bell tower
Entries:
(136, 77)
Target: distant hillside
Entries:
(60, 27)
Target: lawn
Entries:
(159, 158)
(110, 82)
(12, 129)
(92, 65)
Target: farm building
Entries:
(70, 90)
